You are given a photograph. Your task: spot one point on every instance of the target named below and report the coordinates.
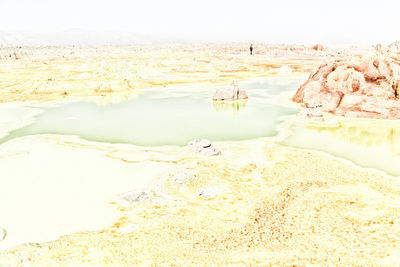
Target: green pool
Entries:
(171, 116)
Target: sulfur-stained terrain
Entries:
(278, 206)
(109, 74)
(257, 202)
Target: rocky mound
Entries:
(204, 147)
(318, 47)
(231, 93)
(361, 87)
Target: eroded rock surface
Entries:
(362, 87)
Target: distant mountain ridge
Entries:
(84, 37)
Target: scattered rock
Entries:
(155, 195)
(209, 192)
(133, 197)
(231, 93)
(3, 234)
(204, 147)
(182, 177)
(364, 87)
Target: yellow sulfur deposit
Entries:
(257, 203)
(276, 205)
(112, 73)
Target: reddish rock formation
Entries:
(318, 47)
(364, 87)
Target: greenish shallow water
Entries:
(367, 143)
(171, 116)
(175, 116)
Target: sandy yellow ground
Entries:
(113, 73)
(277, 206)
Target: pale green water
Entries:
(171, 116)
(367, 143)
(175, 116)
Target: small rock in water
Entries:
(3, 234)
(231, 93)
(209, 192)
(204, 147)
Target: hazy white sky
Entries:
(303, 21)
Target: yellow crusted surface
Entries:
(277, 206)
(110, 74)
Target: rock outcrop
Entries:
(318, 47)
(204, 147)
(231, 93)
(364, 87)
